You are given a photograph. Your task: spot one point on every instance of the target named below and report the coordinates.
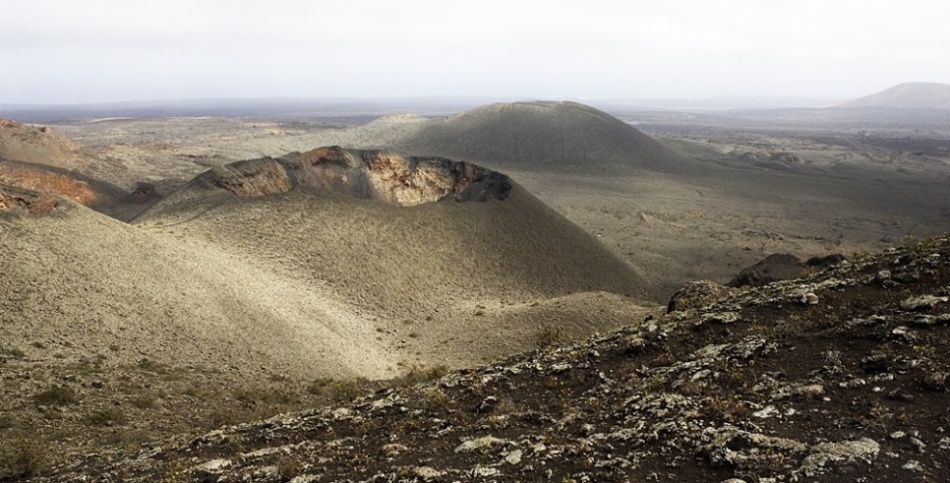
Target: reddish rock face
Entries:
(14, 199)
(48, 182)
(379, 175)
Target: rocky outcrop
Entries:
(34, 177)
(53, 181)
(377, 175)
(696, 294)
(20, 200)
(396, 179)
(781, 266)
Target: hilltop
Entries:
(541, 134)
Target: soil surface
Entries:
(839, 376)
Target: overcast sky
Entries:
(69, 51)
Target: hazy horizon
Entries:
(102, 51)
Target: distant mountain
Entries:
(910, 95)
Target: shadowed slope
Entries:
(551, 135)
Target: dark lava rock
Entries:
(781, 266)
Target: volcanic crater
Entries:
(376, 175)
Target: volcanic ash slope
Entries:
(542, 135)
(332, 262)
(424, 257)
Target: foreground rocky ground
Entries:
(841, 375)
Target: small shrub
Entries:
(288, 467)
(919, 246)
(548, 336)
(346, 390)
(193, 391)
(431, 399)
(807, 272)
(22, 457)
(337, 390)
(7, 421)
(56, 396)
(319, 386)
(105, 417)
(419, 374)
(176, 471)
(143, 402)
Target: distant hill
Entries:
(36, 144)
(910, 95)
(564, 135)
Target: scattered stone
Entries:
(392, 449)
(513, 457)
(924, 302)
(863, 450)
(721, 318)
(479, 444)
(214, 465)
(913, 465)
(427, 472)
(937, 381)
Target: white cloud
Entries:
(63, 50)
